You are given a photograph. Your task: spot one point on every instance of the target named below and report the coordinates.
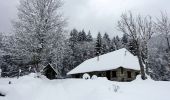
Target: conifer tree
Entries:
(89, 36)
(98, 46)
(82, 36)
(106, 43)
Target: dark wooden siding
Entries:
(119, 74)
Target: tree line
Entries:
(83, 46)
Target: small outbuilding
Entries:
(119, 65)
(50, 72)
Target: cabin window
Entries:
(129, 74)
(114, 74)
(121, 69)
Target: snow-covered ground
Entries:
(30, 88)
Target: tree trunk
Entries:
(168, 43)
(143, 76)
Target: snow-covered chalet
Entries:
(119, 65)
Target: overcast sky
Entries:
(94, 15)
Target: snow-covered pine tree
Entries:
(163, 27)
(117, 42)
(68, 60)
(39, 33)
(71, 58)
(89, 37)
(8, 66)
(158, 59)
(1, 53)
(80, 50)
(131, 46)
(73, 37)
(82, 36)
(106, 43)
(98, 46)
(1, 48)
(124, 40)
(113, 46)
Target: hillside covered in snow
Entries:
(30, 88)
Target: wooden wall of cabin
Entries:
(123, 74)
(119, 74)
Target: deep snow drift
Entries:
(30, 88)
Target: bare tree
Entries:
(140, 30)
(163, 27)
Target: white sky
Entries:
(94, 15)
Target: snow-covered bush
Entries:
(94, 77)
(86, 76)
(37, 75)
(114, 88)
(9, 82)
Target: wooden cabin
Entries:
(50, 72)
(118, 65)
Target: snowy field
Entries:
(30, 88)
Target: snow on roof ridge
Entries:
(51, 67)
(122, 49)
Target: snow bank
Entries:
(31, 88)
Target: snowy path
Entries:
(29, 88)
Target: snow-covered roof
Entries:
(56, 71)
(109, 61)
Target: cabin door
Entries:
(50, 74)
(108, 75)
